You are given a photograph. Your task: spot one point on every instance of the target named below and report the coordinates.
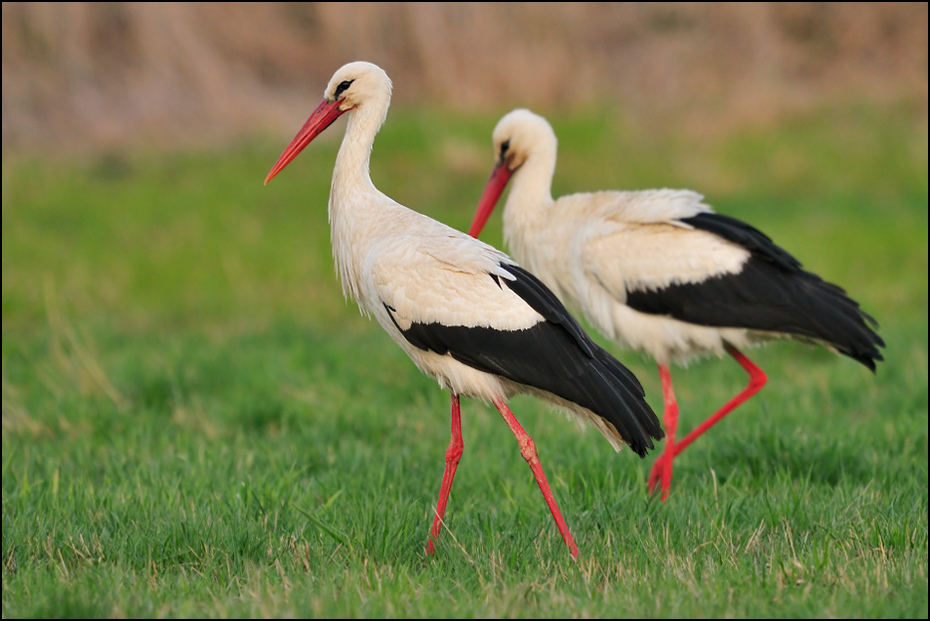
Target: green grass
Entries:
(195, 423)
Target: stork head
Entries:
(519, 136)
(354, 85)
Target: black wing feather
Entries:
(555, 355)
(772, 292)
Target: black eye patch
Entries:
(504, 147)
(342, 88)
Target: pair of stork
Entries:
(656, 271)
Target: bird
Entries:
(659, 271)
(464, 312)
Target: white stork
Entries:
(658, 271)
(464, 312)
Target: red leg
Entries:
(662, 468)
(453, 454)
(663, 465)
(528, 450)
(757, 380)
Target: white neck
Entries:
(529, 198)
(352, 169)
(355, 204)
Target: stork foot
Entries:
(661, 471)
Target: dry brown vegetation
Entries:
(98, 74)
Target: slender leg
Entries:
(663, 465)
(528, 450)
(757, 380)
(662, 468)
(453, 454)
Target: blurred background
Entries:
(89, 75)
(183, 381)
(136, 137)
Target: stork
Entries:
(660, 272)
(464, 312)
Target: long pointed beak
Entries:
(492, 192)
(322, 117)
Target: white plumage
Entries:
(658, 271)
(464, 312)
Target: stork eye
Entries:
(342, 87)
(504, 147)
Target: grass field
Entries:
(197, 424)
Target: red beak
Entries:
(322, 117)
(492, 191)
